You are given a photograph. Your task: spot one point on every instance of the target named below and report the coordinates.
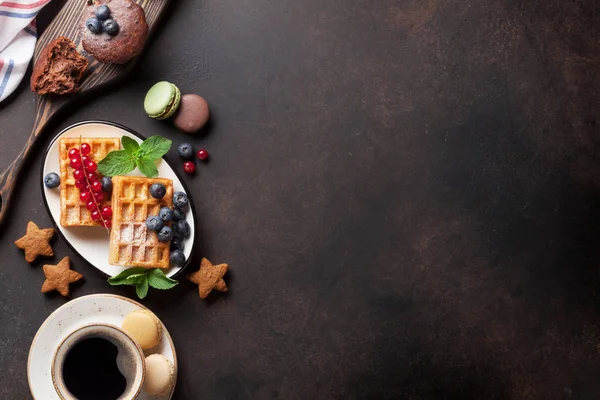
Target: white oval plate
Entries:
(94, 308)
(92, 243)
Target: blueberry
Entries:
(165, 234)
(94, 25)
(177, 258)
(111, 27)
(52, 180)
(166, 214)
(185, 151)
(107, 184)
(176, 243)
(154, 223)
(180, 199)
(102, 12)
(178, 214)
(158, 190)
(183, 228)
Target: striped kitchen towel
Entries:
(17, 41)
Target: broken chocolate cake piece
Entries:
(59, 68)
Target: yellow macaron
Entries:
(144, 327)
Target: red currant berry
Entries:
(203, 154)
(106, 212)
(99, 197)
(189, 167)
(91, 166)
(75, 163)
(96, 186)
(95, 215)
(85, 149)
(79, 175)
(91, 205)
(92, 177)
(85, 197)
(73, 153)
(107, 223)
(85, 160)
(80, 185)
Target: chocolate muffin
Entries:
(123, 46)
(59, 68)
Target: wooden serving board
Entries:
(66, 23)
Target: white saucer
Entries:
(105, 308)
(92, 243)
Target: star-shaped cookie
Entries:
(59, 276)
(209, 277)
(36, 242)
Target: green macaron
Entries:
(162, 100)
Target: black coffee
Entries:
(90, 370)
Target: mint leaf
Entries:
(130, 145)
(132, 279)
(147, 167)
(154, 147)
(158, 280)
(143, 278)
(143, 156)
(125, 276)
(115, 163)
(142, 288)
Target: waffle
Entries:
(72, 210)
(131, 243)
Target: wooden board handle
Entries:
(9, 177)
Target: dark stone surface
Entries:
(406, 192)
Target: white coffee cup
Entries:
(130, 358)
